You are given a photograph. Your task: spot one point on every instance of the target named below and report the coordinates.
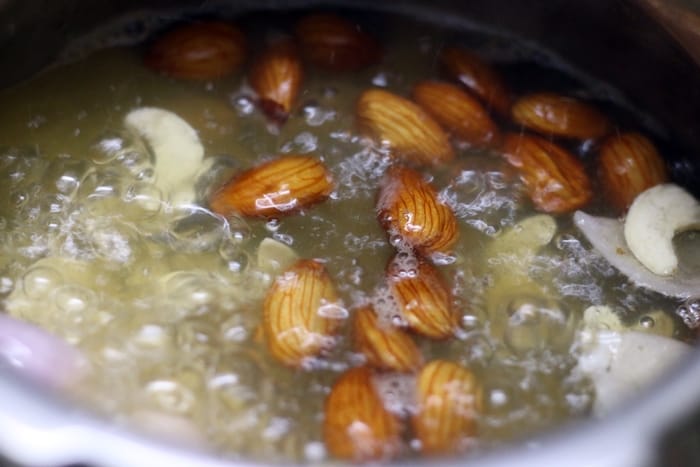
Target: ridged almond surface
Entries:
(555, 179)
(629, 164)
(201, 51)
(356, 424)
(457, 111)
(336, 44)
(281, 186)
(276, 76)
(409, 131)
(479, 77)
(409, 207)
(554, 114)
(385, 346)
(447, 406)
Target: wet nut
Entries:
(201, 51)
(457, 111)
(555, 180)
(408, 207)
(553, 114)
(404, 127)
(281, 186)
(356, 425)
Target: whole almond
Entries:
(278, 187)
(555, 180)
(356, 424)
(200, 51)
(448, 402)
(276, 76)
(408, 207)
(457, 111)
(554, 114)
(478, 77)
(404, 127)
(385, 346)
(628, 165)
(336, 44)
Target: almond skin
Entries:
(448, 400)
(295, 323)
(198, 51)
(276, 76)
(279, 187)
(628, 165)
(336, 44)
(356, 424)
(555, 180)
(553, 114)
(408, 207)
(478, 77)
(406, 128)
(457, 111)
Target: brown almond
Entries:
(628, 165)
(200, 51)
(404, 127)
(276, 76)
(556, 180)
(457, 111)
(554, 114)
(408, 207)
(336, 44)
(278, 187)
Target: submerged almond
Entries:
(276, 77)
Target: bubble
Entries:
(114, 243)
(171, 396)
(74, 299)
(41, 280)
(107, 149)
(244, 105)
(200, 230)
(646, 322)
(314, 451)
(689, 312)
(397, 391)
(535, 324)
(144, 199)
(138, 163)
(190, 293)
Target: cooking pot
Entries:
(646, 48)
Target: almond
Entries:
(202, 51)
(553, 114)
(301, 313)
(336, 44)
(408, 207)
(448, 401)
(278, 187)
(628, 165)
(276, 76)
(555, 180)
(356, 424)
(384, 346)
(457, 111)
(404, 127)
(478, 77)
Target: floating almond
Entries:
(336, 44)
(448, 401)
(478, 77)
(275, 188)
(356, 424)
(204, 50)
(385, 346)
(555, 180)
(408, 207)
(301, 313)
(628, 165)
(276, 76)
(457, 111)
(407, 129)
(553, 114)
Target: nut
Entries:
(385, 346)
(276, 76)
(629, 164)
(281, 186)
(553, 114)
(555, 180)
(478, 77)
(448, 401)
(457, 111)
(336, 44)
(357, 426)
(203, 51)
(404, 127)
(408, 207)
